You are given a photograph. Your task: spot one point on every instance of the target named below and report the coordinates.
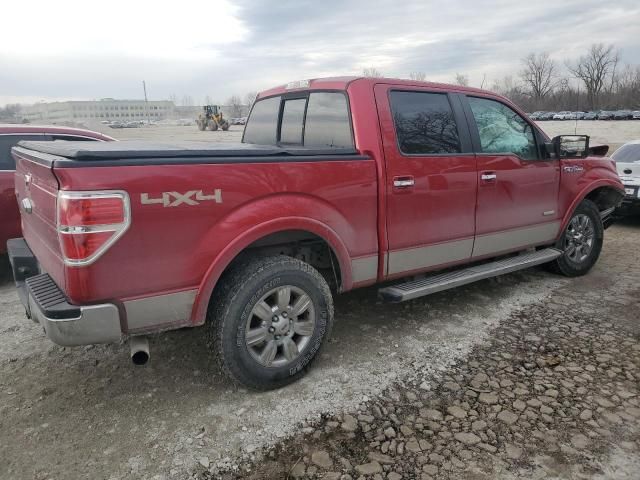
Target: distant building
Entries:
(105, 109)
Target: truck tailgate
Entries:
(37, 189)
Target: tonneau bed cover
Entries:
(134, 149)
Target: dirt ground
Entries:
(87, 412)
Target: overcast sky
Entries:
(69, 49)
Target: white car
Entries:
(627, 159)
(564, 116)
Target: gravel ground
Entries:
(552, 392)
(510, 362)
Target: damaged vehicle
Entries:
(339, 183)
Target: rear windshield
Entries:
(316, 119)
(627, 153)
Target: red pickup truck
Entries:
(338, 183)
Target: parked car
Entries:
(10, 135)
(330, 194)
(623, 115)
(605, 115)
(590, 116)
(636, 115)
(547, 116)
(627, 159)
(535, 115)
(564, 116)
(579, 115)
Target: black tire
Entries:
(564, 264)
(212, 125)
(232, 309)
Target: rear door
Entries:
(517, 185)
(430, 178)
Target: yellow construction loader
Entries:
(211, 119)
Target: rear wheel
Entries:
(269, 319)
(581, 242)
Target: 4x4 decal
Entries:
(174, 199)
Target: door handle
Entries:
(488, 177)
(403, 182)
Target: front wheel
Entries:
(581, 241)
(268, 320)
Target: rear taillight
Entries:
(90, 222)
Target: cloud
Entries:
(219, 48)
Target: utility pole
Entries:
(146, 102)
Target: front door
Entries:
(517, 185)
(430, 178)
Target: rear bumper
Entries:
(45, 303)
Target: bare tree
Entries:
(418, 76)
(235, 106)
(538, 75)
(208, 100)
(250, 98)
(187, 101)
(596, 69)
(371, 72)
(462, 80)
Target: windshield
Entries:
(627, 153)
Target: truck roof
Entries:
(342, 83)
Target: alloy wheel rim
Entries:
(579, 238)
(280, 326)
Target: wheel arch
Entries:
(605, 194)
(262, 233)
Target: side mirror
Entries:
(570, 146)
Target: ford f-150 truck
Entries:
(338, 183)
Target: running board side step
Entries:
(445, 281)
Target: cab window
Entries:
(424, 123)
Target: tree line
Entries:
(597, 80)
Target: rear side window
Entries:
(502, 130)
(319, 120)
(6, 142)
(292, 121)
(328, 122)
(262, 126)
(424, 123)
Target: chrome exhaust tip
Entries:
(139, 350)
